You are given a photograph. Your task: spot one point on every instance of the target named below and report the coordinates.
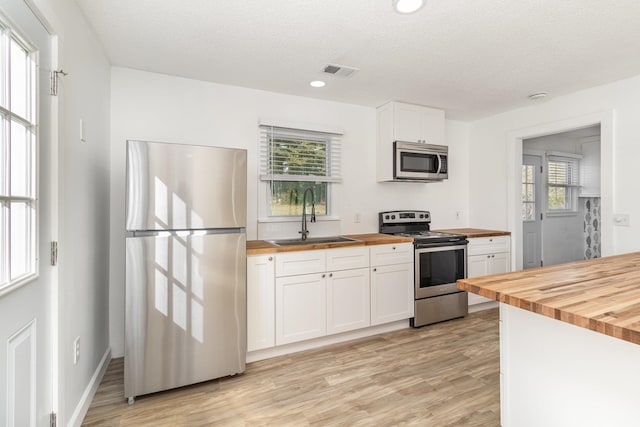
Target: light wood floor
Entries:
(440, 375)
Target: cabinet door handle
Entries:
(270, 258)
(375, 269)
(394, 248)
(488, 256)
(324, 275)
(493, 256)
(330, 274)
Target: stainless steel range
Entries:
(440, 260)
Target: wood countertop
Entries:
(475, 232)
(600, 294)
(257, 247)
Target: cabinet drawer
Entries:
(300, 262)
(399, 253)
(489, 245)
(347, 258)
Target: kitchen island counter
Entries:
(569, 338)
(601, 294)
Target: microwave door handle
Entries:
(439, 163)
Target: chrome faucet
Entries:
(304, 230)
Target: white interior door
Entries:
(27, 325)
(532, 186)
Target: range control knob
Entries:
(393, 217)
(421, 215)
(386, 217)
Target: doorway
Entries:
(27, 291)
(514, 182)
(561, 215)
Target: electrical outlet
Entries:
(356, 217)
(76, 350)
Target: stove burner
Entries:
(415, 224)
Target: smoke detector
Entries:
(339, 70)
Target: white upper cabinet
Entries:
(414, 123)
(397, 121)
(590, 169)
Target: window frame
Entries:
(531, 202)
(9, 118)
(571, 184)
(296, 131)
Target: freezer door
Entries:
(185, 310)
(178, 187)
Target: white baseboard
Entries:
(483, 306)
(85, 401)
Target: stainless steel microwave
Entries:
(413, 161)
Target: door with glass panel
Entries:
(531, 211)
(26, 297)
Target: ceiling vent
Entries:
(340, 70)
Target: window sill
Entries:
(297, 219)
(561, 214)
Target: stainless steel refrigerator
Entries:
(185, 308)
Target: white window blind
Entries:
(563, 171)
(288, 154)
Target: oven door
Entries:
(437, 268)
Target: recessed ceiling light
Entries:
(539, 95)
(317, 83)
(407, 6)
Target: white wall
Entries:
(83, 180)
(164, 108)
(489, 145)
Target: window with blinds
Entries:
(292, 160)
(562, 183)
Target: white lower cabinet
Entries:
(301, 295)
(348, 300)
(301, 307)
(332, 298)
(487, 255)
(392, 272)
(391, 293)
(261, 293)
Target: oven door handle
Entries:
(438, 247)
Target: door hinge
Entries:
(53, 420)
(540, 169)
(541, 263)
(55, 77)
(541, 218)
(54, 253)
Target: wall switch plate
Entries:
(82, 135)
(76, 350)
(621, 220)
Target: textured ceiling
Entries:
(471, 58)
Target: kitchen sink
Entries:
(312, 241)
